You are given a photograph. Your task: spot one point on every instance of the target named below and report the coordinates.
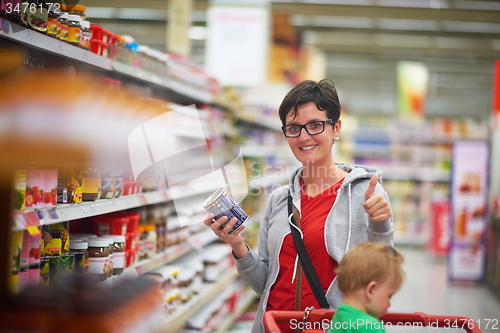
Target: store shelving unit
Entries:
(53, 52)
(415, 159)
(209, 290)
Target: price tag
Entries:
(29, 37)
(20, 218)
(143, 199)
(52, 214)
(60, 47)
(197, 244)
(93, 209)
(86, 211)
(33, 230)
(32, 218)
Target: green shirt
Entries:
(348, 319)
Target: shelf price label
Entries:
(30, 220)
(143, 199)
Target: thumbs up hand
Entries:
(375, 204)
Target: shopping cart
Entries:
(316, 321)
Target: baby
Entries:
(368, 275)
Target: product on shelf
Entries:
(85, 35)
(110, 224)
(79, 248)
(41, 186)
(20, 189)
(186, 278)
(147, 241)
(75, 10)
(99, 258)
(69, 185)
(118, 254)
(216, 259)
(62, 27)
(74, 28)
(53, 24)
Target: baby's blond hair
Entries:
(368, 262)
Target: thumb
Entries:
(371, 187)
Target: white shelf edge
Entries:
(177, 86)
(68, 212)
(37, 40)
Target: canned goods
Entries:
(220, 203)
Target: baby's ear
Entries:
(369, 289)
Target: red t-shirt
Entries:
(314, 212)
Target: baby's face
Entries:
(381, 297)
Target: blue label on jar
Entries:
(224, 205)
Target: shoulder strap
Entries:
(305, 261)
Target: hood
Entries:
(354, 172)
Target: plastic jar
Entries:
(77, 10)
(85, 37)
(53, 22)
(62, 32)
(118, 254)
(149, 242)
(96, 31)
(108, 176)
(186, 278)
(74, 27)
(104, 49)
(95, 46)
(91, 177)
(111, 242)
(110, 224)
(98, 258)
(79, 249)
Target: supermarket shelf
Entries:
(245, 301)
(196, 241)
(271, 123)
(415, 173)
(67, 212)
(262, 151)
(33, 39)
(268, 180)
(209, 290)
(39, 41)
(178, 87)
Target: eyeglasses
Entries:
(313, 128)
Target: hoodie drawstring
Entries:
(350, 221)
(297, 257)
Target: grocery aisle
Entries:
(426, 289)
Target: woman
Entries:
(340, 205)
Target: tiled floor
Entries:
(426, 289)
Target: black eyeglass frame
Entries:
(328, 121)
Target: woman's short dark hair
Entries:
(322, 93)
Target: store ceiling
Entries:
(363, 40)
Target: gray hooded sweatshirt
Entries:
(347, 224)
